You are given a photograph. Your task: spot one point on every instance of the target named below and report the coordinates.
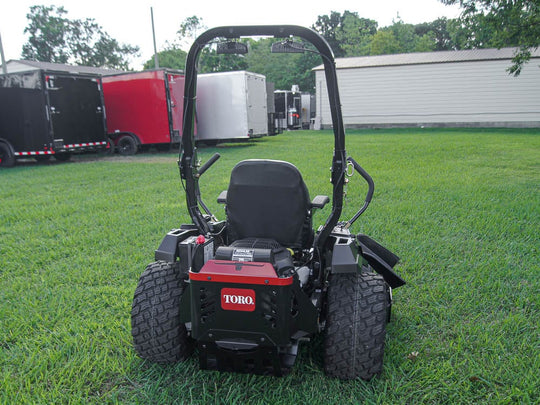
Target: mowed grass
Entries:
(461, 208)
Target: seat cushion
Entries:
(269, 199)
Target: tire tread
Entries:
(356, 325)
(158, 334)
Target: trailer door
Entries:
(23, 120)
(176, 104)
(256, 105)
(76, 108)
(23, 116)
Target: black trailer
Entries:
(50, 113)
(288, 105)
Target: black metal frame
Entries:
(188, 161)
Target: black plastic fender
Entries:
(381, 259)
(168, 249)
(345, 256)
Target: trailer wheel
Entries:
(158, 334)
(356, 325)
(127, 145)
(7, 157)
(109, 149)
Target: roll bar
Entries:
(188, 155)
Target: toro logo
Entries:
(237, 299)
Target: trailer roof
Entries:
(419, 58)
(166, 70)
(14, 66)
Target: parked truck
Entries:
(144, 108)
(231, 105)
(50, 113)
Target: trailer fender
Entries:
(380, 259)
(8, 145)
(7, 154)
(115, 136)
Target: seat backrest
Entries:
(269, 199)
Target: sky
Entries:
(129, 21)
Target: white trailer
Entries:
(231, 105)
(307, 114)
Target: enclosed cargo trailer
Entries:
(47, 113)
(144, 108)
(231, 105)
(271, 109)
(307, 113)
(288, 105)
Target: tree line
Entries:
(482, 24)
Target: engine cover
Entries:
(247, 300)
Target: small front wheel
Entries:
(357, 314)
(158, 334)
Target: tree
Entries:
(189, 29)
(355, 34)
(328, 26)
(283, 70)
(47, 29)
(172, 57)
(411, 39)
(511, 23)
(384, 42)
(210, 62)
(351, 35)
(55, 38)
(439, 30)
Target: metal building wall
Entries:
(473, 93)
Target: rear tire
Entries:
(158, 334)
(127, 145)
(7, 158)
(356, 325)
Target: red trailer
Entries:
(144, 108)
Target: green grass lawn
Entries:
(461, 208)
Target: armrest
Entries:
(222, 198)
(320, 201)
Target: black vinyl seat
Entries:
(268, 199)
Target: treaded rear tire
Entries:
(158, 334)
(355, 325)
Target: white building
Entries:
(452, 88)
